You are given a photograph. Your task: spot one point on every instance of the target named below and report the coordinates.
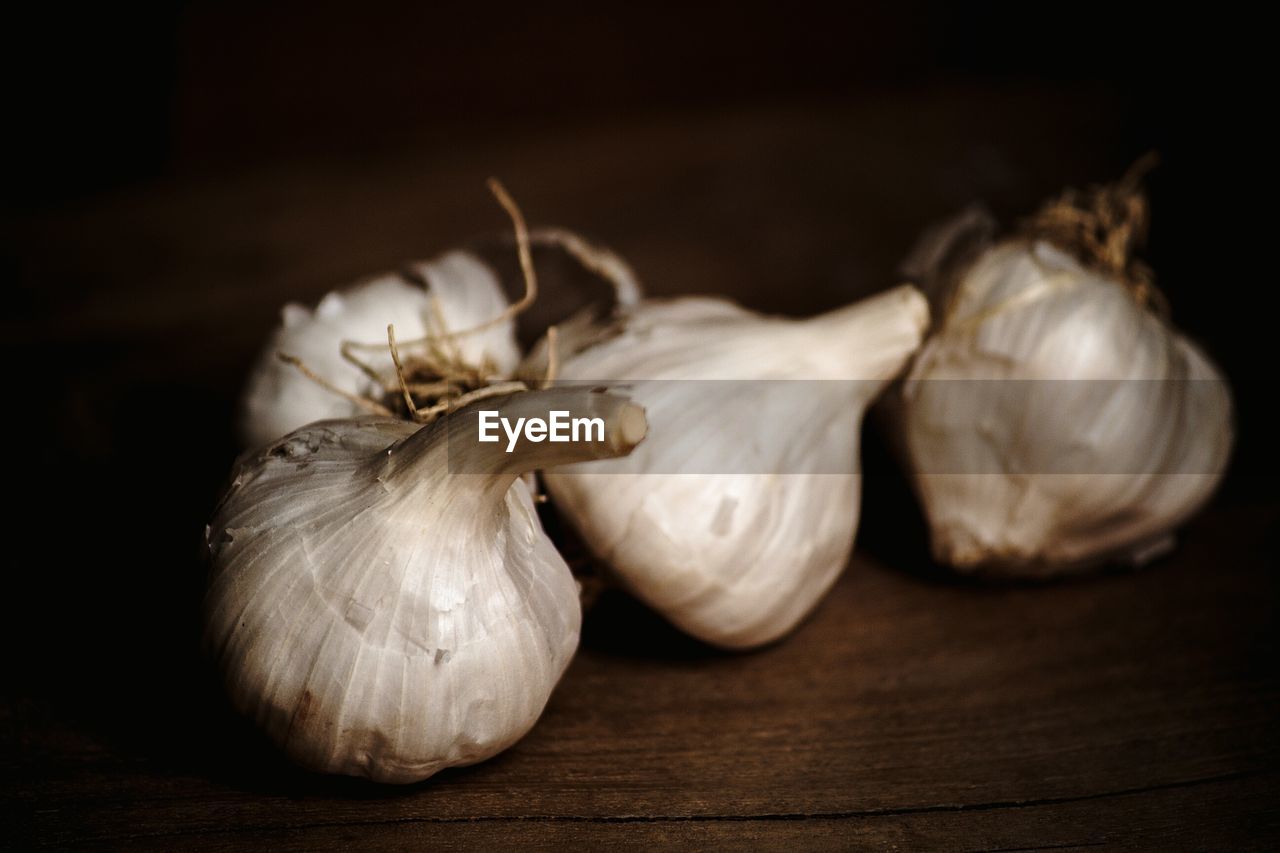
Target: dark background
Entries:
(177, 171)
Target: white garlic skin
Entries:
(736, 559)
(1005, 478)
(378, 616)
(278, 398)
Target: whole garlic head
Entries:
(740, 509)
(1021, 472)
(454, 292)
(380, 616)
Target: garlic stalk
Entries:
(1021, 472)
(380, 616)
(740, 510)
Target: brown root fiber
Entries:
(1103, 226)
(431, 377)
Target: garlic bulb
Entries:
(454, 292)
(1022, 473)
(740, 509)
(380, 616)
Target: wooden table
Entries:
(912, 711)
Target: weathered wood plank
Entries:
(1225, 813)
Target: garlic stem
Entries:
(452, 445)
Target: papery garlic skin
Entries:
(736, 559)
(1034, 478)
(466, 292)
(379, 616)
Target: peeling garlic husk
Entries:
(380, 616)
(1022, 474)
(735, 558)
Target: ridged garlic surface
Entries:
(380, 616)
(463, 289)
(740, 551)
(1020, 472)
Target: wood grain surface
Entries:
(1126, 710)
